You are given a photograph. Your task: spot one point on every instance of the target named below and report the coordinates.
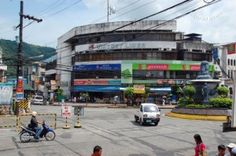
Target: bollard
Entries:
(77, 124)
(66, 126)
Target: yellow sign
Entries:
(139, 89)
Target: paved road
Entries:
(118, 134)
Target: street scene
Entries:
(117, 78)
(118, 134)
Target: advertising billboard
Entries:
(6, 92)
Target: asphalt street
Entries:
(118, 134)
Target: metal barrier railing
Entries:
(13, 121)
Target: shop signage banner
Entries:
(127, 73)
(164, 67)
(139, 89)
(6, 92)
(157, 67)
(20, 89)
(231, 48)
(94, 67)
(78, 82)
(195, 67)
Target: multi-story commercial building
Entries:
(145, 54)
(50, 72)
(227, 59)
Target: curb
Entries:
(197, 117)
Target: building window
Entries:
(228, 61)
(234, 62)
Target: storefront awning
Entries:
(161, 89)
(96, 89)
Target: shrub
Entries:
(189, 91)
(220, 102)
(222, 91)
(185, 101)
(200, 106)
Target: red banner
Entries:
(195, 67)
(231, 48)
(157, 67)
(90, 82)
(19, 87)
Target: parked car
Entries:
(148, 113)
(38, 100)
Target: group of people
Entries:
(200, 148)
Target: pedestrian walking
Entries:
(221, 150)
(97, 151)
(200, 148)
(230, 146)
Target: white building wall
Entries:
(64, 55)
(64, 50)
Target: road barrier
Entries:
(13, 121)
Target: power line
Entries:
(160, 24)
(159, 12)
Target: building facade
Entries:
(227, 60)
(103, 62)
(3, 68)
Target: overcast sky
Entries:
(217, 22)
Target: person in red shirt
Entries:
(97, 151)
(200, 148)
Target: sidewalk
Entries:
(101, 105)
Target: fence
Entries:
(12, 121)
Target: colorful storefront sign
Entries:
(231, 48)
(165, 67)
(20, 89)
(93, 67)
(157, 67)
(84, 88)
(78, 82)
(139, 89)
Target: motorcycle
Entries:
(28, 133)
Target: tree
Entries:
(129, 92)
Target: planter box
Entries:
(194, 111)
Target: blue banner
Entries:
(94, 67)
(96, 89)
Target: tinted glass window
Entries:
(150, 109)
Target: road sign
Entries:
(66, 111)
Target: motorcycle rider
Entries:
(34, 125)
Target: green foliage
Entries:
(222, 91)
(189, 91)
(85, 96)
(9, 49)
(185, 101)
(129, 92)
(198, 106)
(220, 102)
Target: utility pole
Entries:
(19, 75)
(108, 10)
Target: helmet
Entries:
(34, 113)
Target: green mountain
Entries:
(9, 49)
